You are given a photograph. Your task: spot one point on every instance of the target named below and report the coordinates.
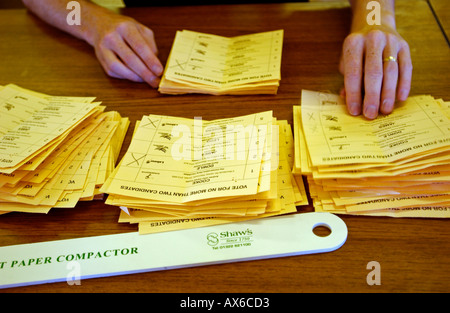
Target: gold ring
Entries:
(390, 58)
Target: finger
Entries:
(390, 77)
(353, 50)
(149, 36)
(373, 73)
(132, 61)
(139, 44)
(405, 72)
(115, 68)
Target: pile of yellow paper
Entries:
(54, 150)
(211, 64)
(183, 173)
(396, 165)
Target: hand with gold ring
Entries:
(376, 63)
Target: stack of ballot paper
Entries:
(182, 173)
(54, 150)
(396, 165)
(211, 64)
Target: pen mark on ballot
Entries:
(136, 160)
(180, 64)
(150, 122)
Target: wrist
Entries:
(93, 19)
(366, 18)
(91, 16)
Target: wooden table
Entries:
(413, 253)
(441, 9)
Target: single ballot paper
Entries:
(396, 165)
(184, 173)
(211, 64)
(54, 150)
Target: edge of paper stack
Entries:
(397, 165)
(54, 150)
(244, 172)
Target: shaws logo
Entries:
(213, 239)
(227, 237)
(226, 234)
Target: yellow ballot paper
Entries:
(334, 137)
(210, 172)
(54, 150)
(396, 165)
(206, 63)
(181, 160)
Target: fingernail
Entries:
(403, 94)
(370, 111)
(387, 106)
(154, 82)
(157, 69)
(354, 108)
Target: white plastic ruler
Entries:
(73, 260)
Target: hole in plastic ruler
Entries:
(321, 230)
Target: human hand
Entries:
(126, 49)
(376, 64)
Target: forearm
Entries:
(55, 13)
(360, 13)
(376, 62)
(125, 48)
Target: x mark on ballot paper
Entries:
(136, 160)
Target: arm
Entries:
(366, 66)
(125, 48)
